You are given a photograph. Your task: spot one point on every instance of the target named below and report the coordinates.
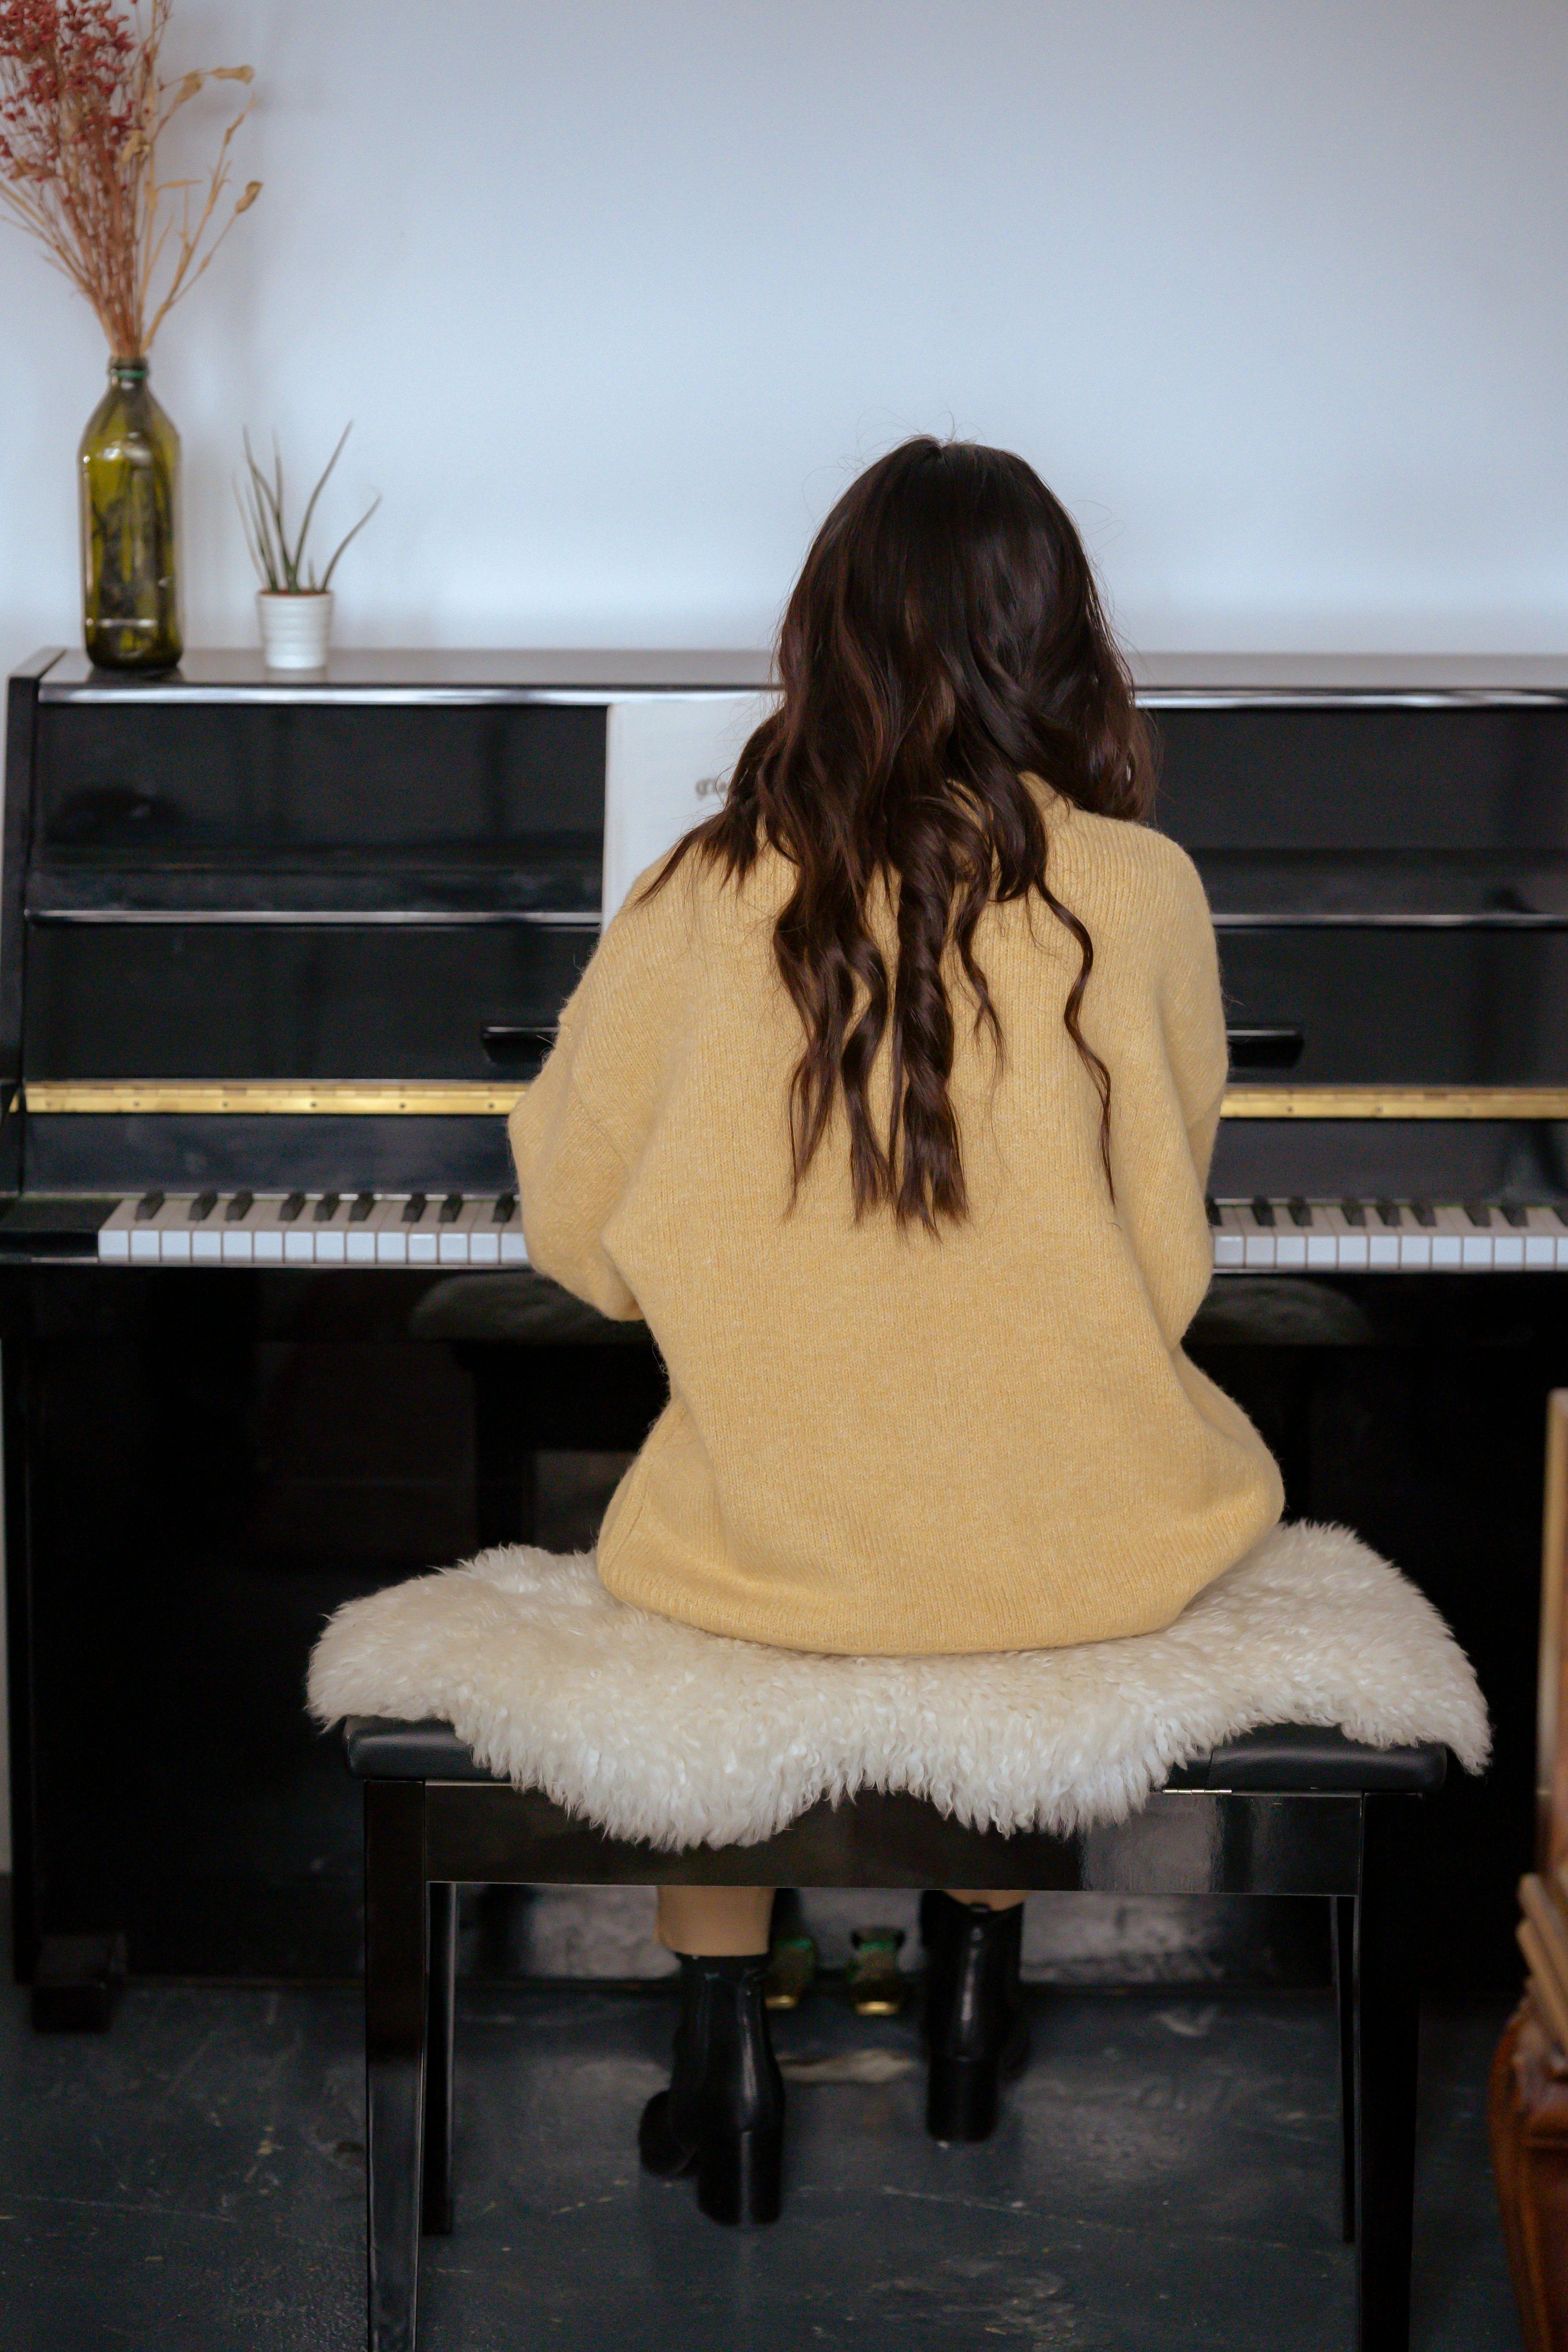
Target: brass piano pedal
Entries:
(876, 1984)
(791, 1971)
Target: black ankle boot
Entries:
(977, 2029)
(722, 2115)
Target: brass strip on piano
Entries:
(482, 1098)
(272, 1098)
(1397, 1102)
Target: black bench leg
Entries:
(436, 2216)
(1386, 2026)
(1342, 1918)
(395, 2023)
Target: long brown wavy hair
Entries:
(944, 638)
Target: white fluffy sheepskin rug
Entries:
(655, 1730)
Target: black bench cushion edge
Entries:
(1292, 1758)
(381, 1748)
(1303, 1756)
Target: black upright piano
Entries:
(275, 957)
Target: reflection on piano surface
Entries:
(276, 957)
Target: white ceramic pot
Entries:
(295, 630)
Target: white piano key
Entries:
(1508, 1245)
(114, 1234)
(300, 1237)
(513, 1248)
(266, 1232)
(1541, 1234)
(328, 1235)
(360, 1229)
(237, 1235)
(1414, 1243)
(1257, 1241)
(423, 1233)
(452, 1239)
(391, 1233)
(1352, 1243)
(1456, 1242)
(295, 1246)
(1229, 1246)
(143, 1234)
(1290, 1240)
(1381, 1242)
(206, 1233)
(170, 1231)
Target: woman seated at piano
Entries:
(888, 1100)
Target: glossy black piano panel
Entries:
(293, 1000)
(1390, 1158)
(174, 781)
(82, 1152)
(1393, 784)
(1396, 1007)
(212, 1466)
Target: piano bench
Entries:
(1286, 1810)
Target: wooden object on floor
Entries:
(1527, 2119)
(1527, 2112)
(1551, 1708)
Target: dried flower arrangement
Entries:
(83, 107)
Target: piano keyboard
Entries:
(313, 1229)
(1387, 1238)
(458, 1229)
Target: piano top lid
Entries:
(596, 674)
(421, 674)
(1350, 678)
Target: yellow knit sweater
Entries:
(880, 1440)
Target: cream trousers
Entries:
(730, 1922)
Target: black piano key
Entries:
(1559, 1211)
(292, 1209)
(451, 1209)
(202, 1207)
(326, 1208)
(1477, 1212)
(363, 1203)
(1353, 1211)
(1424, 1214)
(505, 1210)
(1514, 1215)
(239, 1207)
(413, 1208)
(1263, 1211)
(148, 1206)
(1301, 1213)
(1389, 1213)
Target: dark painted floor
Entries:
(1165, 2176)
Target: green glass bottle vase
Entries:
(129, 469)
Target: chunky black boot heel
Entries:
(740, 2179)
(977, 2029)
(961, 2098)
(722, 2115)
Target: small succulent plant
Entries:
(278, 565)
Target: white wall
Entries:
(620, 292)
